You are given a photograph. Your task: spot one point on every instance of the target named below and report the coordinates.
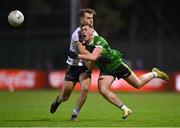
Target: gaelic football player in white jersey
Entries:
(77, 70)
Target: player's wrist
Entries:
(72, 54)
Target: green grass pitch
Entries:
(31, 109)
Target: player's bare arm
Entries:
(91, 56)
(82, 48)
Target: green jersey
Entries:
(114, 55)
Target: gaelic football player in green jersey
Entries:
(112, 69)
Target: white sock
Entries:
(155, 74)
(75, 111)
(123, 107)
(59, 101)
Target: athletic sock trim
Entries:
(155, 74)
(123, 107)
(75, 112)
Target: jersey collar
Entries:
(91, 41)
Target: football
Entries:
(15, 18)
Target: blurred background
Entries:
(33, 62)
(146, 31)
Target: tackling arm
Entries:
(91, 56)
(82, 48)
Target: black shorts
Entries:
(73, 72)
(122, 71)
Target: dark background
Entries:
(146, 31)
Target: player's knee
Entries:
(137, 85)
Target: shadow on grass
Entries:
(29, 120)
(64, 122)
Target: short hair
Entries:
(90, 26)
(87, 10)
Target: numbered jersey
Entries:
(73, 47)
